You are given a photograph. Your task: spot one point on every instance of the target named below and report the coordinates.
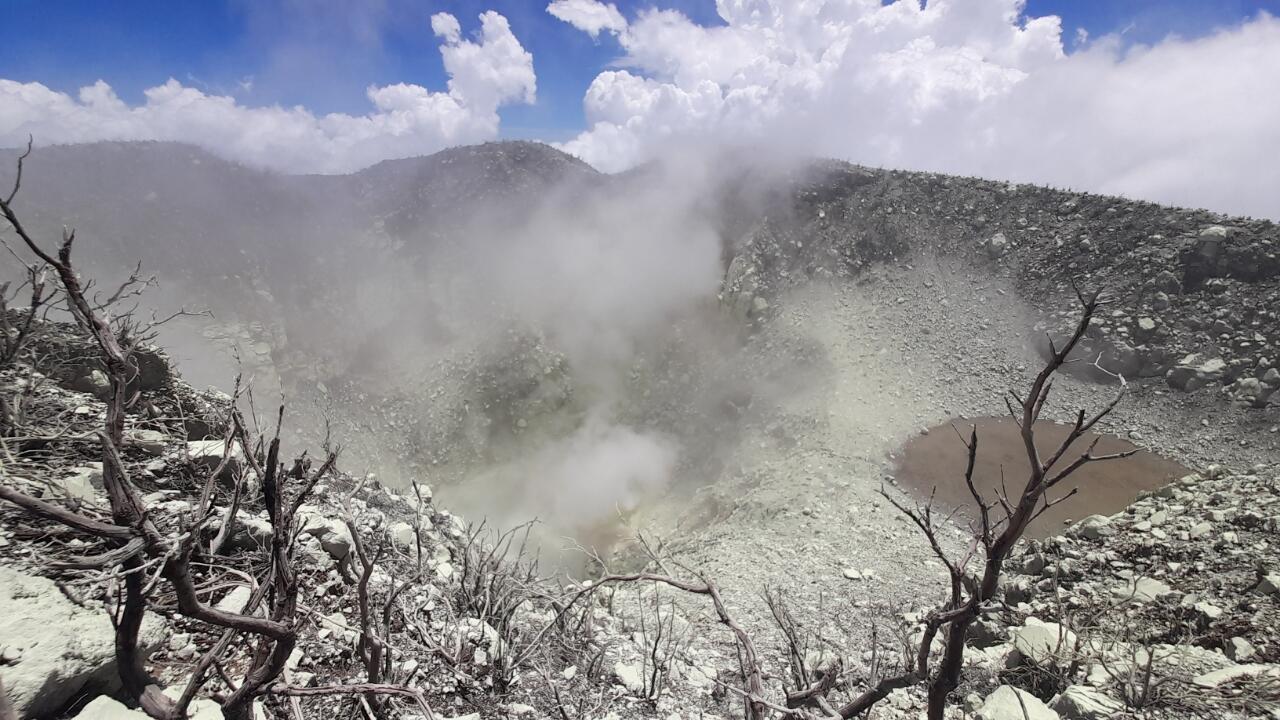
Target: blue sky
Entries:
(326, 60)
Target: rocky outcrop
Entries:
(1181, 585)
(1181, 282)
(55, 650)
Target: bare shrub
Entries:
(499, 577)
(661, 639)
(136, 552)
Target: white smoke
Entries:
(600, 469)
(577, 484)
(596, 274)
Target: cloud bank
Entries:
(485, 73)
(958, 86)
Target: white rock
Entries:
(1142, 589)
(1240, 650)
(201, 708)
(1213, 679)
(82, 484)
(1208, 611)
(1041, 643)
(481, 634)
(236, 600)
(403, 536)
(996, 658)
(1084, 703)
(252, 532)
(104, 707)
(631, 677)
(332, 533)
(1214, 233)
(1094, 527)
(63, 651)
(152, 442)
(997, 245)
(1193, 372)
(209, 454)
(337, 622)
(1010, 703)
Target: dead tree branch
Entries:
(996, 537)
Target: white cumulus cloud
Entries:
(589, 16)
(963, 86)
(485, 73)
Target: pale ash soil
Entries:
(904, 349)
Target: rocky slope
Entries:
(1195, 293)
(56, 638)
(858, 307)
(1186, 282)
(1167, 609)
(310, 277)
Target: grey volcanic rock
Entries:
(1194, 372)
(1174, 571)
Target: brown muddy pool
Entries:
(937, 459)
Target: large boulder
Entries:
(1257, 672)
(154, 370)
(1194, 372)
(1252, 392)
(251, 532)
(80, 484)
(151, 442)
(62, 651)
(332, 533)
(104, 707)
(403, 535)
(1094, 527)
(1080, 702)
(996, 246)
(1041, 643)
(1010, 703)
(209, 454)
(630, 676)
